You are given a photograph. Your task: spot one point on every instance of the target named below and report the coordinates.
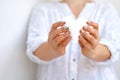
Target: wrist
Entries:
(94, 53)
(100, 53)
(52, 50)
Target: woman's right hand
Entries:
(59, 38)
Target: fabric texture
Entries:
(73, 65)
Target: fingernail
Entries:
(66, 28)
(80, 31)
(89, 22)
(85, 26)
(63, 22)
(80, 37)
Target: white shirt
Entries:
(74, 65)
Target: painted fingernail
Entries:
(85, 26)
(80, 37)
(80, 31)
(66, 28)
(63, 22)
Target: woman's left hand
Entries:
(89, 39)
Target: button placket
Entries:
(73, 66)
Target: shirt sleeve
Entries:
(37, 32)
(111, 36)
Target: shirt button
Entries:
(73, 79)
(74, 60)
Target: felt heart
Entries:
(75, 26)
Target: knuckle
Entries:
(51, 36)
(54, 25)
(91, 39)
(84, 34)
(96, 25)
(56, 40)
(95, 31)
(60, 30)
(59, 38)
(90, 28)
(93, 46)
(62, 36)
(55, 33)
(88, 47)
(86, 43)
(61, 45)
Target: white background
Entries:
(14, 17)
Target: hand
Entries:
(59, 37)
(89, 39)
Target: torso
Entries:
(64, 68)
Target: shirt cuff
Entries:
(34, 58)
(31, 48)
(114, 54)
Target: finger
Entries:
(57, 32)
(85, 43)
(56, 25)
(89, 38)
(65, 42)
(80, 43)
(60, 38)
(92, 31)
(93, 24)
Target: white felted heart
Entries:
(75, 26)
